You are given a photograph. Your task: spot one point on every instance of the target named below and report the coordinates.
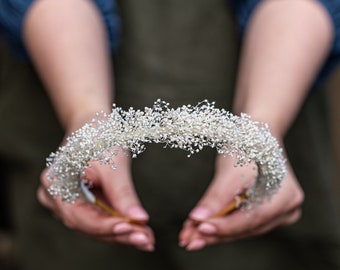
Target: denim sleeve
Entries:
(13, 12)
(333, 9)
(243, 10)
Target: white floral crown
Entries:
(187, 127)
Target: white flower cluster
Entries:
(188, 127)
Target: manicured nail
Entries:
(182, 243)
(139, 239)
(207, 228)
(149, 248)
(138, 213)
(200, 213)
(196, 245)
(122, 228)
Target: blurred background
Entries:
(333, 90)
(7, 232)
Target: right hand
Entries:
(115, 187)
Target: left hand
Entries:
(201, 229)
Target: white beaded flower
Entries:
(187, 127)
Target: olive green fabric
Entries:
(182, 52)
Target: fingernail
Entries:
(207, 228)
(149, 248)
(122, 228)
(196, 245)
(200, 213)
(139, 239)
(182, 243)
(137, 212)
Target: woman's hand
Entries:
(201, 229)
(115, 187)
(284, 48)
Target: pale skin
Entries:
(284, 48)
(71, 55)
(279, 62)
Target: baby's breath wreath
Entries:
(187, 127)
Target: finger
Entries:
(228, 182)
(215, 203)
(80, 216)
(196, 241)
(288, 219)
(239, 222)
(122, 228)
(267, 217)
(185, 235)
(242, 224)
(283, 220)
(142, 239)
(86, 219)
(45, 199)
(191, 238)
(119, 190)
(136, 240)
(288, 199)
(101, 228)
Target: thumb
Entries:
(228, 182)
(216, 197)
(118, 188)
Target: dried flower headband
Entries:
(187, 127)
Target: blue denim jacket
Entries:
(12, 15)
(243, 10)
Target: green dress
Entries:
(182, 52)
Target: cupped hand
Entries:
(115, 187)
(202, 229)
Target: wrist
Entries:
(278, 124)
(77, 120)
